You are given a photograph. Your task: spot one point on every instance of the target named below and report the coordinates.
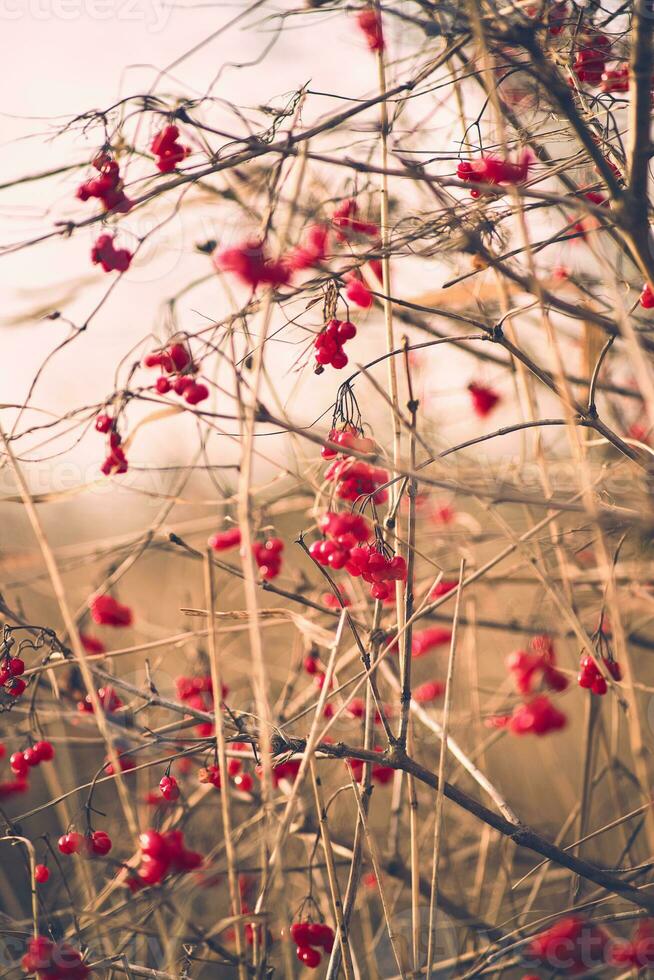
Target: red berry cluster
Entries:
(197, 692)
(484, 399)
(590, 678)
(345, 221)
(107, 697)
(179, 370)
(162, 854)
(537, 662)
(310, 938)
(591, 57)
(572, 941)
(355, 478)
(22, 762)
(91, 643)
(349, 438)
(379, 773)
(241, 780)
(268, 556)
(115, 461)
(94, 844)
(250, 263)
(107, 611)
(428, 639)
(377, 569)
(370, 23)
(330, 342)
(535, 717)
(638, 952)
(357, 291)
(11, 681)
(53, 961)
(111, 259)
(169, 151)
(342, 533)
(286, 771)
(616, 80)
(108, 187)
(492, 170)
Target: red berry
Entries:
(169, 788)
(70, 843)
(18, 763)
(244, 782)
(162, 385)
(103, 423)
(45, 750)
(195, 393)
(310, 957)
(100, 843)
(16, 687)
(16, 666)
(31, 757)
(41, 874)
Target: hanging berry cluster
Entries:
(109, 701)
(330, 342)
(11, 669)
(162, 854)
(267, 554)
(310, 938)
(115, 461)
(108, 187)
(377, 568)
(349, 438)
(53, 961)
(591, 57)
(107, 611)
(494, 171)
(538, 664)
(168, 150)
(342, 533)
(538, 716)
(197, 692)
(355, 478)
(590, 677)
(242, 780)
(179, 374)
(484, 399)
(112, 259)
(34, 755)
(96, 843)
(579, 944)
(370, 24)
